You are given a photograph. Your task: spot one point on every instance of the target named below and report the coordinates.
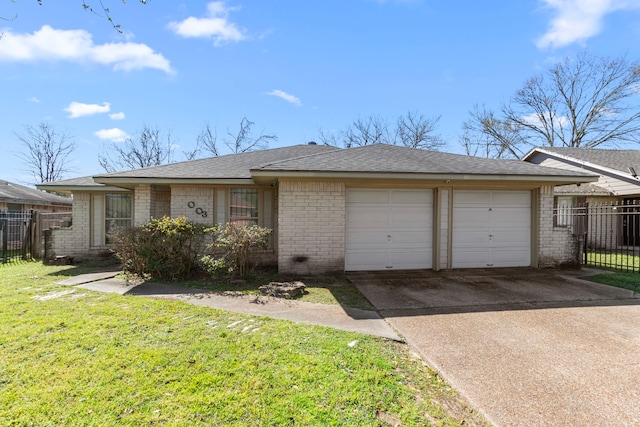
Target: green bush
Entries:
(232, 248)
(165, 248)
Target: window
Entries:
(243, 206)
(117, 214)
(564, 210)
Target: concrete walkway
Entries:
(333, 316)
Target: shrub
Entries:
(232, 248)
(165, 248)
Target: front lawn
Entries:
(326, 289)
(74, 357)
(628, 280)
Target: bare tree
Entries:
(45, 152)
(244, 140)
(413, 130)
(101, 9)
(581, 102)
(485, 135)
(147, 149)
(207, 139)
(328, 138)
(366, 131)
(416, 131)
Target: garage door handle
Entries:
(388, 237)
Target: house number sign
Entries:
(198, 210)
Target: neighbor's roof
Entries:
(581, 190)
(619, 160)
(381, 159)
(15, 193)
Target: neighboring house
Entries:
(18, 198)
(617, 170)
(618, 184)
(375, 207)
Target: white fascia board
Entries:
(168, 181)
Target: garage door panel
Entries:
(511, 198)
(410, 260)
(512, 257)
(468, 216)
(371, 260)
(471, 198)
(491, 229)
(470, 258)
(411, 239)
(368, 196)
(411, 197)
(367, 238)
(470, 238)
(389, 229)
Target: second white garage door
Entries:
(491, 229)
(389, 229)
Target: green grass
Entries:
(79, 358)
(626, 280)
(331, 289)
(616, 261)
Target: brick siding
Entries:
(311, 227)
(556, 245)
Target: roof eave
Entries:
(72, 188)
(132, 181)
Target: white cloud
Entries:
(34, 100)
(535, 120)
(79, 109)
(215, 25)
(113, 135)
(117, 116)
(578, 20)
(286, 96)
(49, 44)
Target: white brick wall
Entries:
(195, 203)
(76, 241)
(556, 245)
(311, 227)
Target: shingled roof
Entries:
(231, 166)
(391, 159)
(372, 161)
(15, 193)
(619, 160)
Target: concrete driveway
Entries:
(526, 347)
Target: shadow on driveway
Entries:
(420, 292)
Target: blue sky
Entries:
(291, 67)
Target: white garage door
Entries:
(389, 229)
(491, 229)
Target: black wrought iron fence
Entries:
(17, 236)
(609, 233)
